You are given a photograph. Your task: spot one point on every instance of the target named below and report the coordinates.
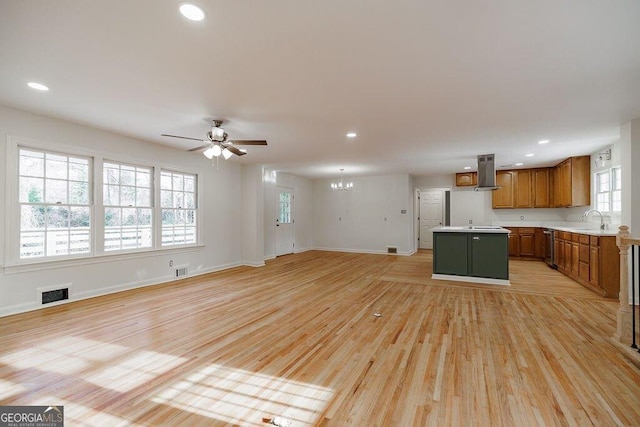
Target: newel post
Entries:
(623, 329)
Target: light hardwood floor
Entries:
(299, 339)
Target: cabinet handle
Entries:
(476, 238)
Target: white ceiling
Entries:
(427, 85)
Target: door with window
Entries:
(431, 215)
(285, 235)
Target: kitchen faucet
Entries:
(588, 211)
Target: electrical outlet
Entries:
(470, 221)
(170, 263)
(521, 217)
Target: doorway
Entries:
(431, 215)
(285, 235)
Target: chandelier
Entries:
(341, 186)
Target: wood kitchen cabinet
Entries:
(522, 189)
(466, 179)
(526, 242)
(572, 182)
(503, 197)
(592, 261)
(540, 186)
(566, 185)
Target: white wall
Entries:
(251, 224)
(368, 218)
(630, 155)
(221, 206)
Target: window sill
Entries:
(30, 266)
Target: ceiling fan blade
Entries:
(183, 137)
(200, 147)
(234, 150)
(248, 142)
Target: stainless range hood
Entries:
(486, 173)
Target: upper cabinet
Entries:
(566, 185)
(541, 187)
(467, 179)
(503, 197)
(572, 182)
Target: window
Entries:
(178, 204)
(54, 202)
(609, 191)
(127, 198)
(285, 207)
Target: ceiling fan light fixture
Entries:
(208, 153)
(226, 153)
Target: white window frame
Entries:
(177, 207)
(612, 173)
(49, 205)
(11, 261)
(137, 230)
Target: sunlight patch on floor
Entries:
(245, 398)
(82, 416)
(8, 389)
(137, 369)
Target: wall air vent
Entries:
(55, 295)
(182, 271)
(392, 250)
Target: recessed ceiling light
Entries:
(529, 155)
(352, 135)
(467, 168)
(192, 12)
(544, 141)
(519, 164)
(37, 86)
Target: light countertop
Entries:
(472, 229)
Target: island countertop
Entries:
(472, 229)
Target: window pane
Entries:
(56, 191)
(111, 195)
(166, 199)
(112, 217)
(32, 218)
(143, 179)
(31, 190)
(127, 196)
(31, 163)
(31, 244)
(57, 242)
(56, 166)
(78, 169)
(127, 175)
(165, 181)
(143, 197)
(78, 193)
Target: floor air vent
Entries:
(55, 295)
(181, 271)
(392, 250)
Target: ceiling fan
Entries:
(216, 142)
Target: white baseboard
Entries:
(469, 279)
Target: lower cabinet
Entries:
(489, 255)
(471, 254)
(592, 261)
(526, 242)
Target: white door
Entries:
(431, 203)
(284, 222)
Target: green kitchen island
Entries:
(477, 254)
